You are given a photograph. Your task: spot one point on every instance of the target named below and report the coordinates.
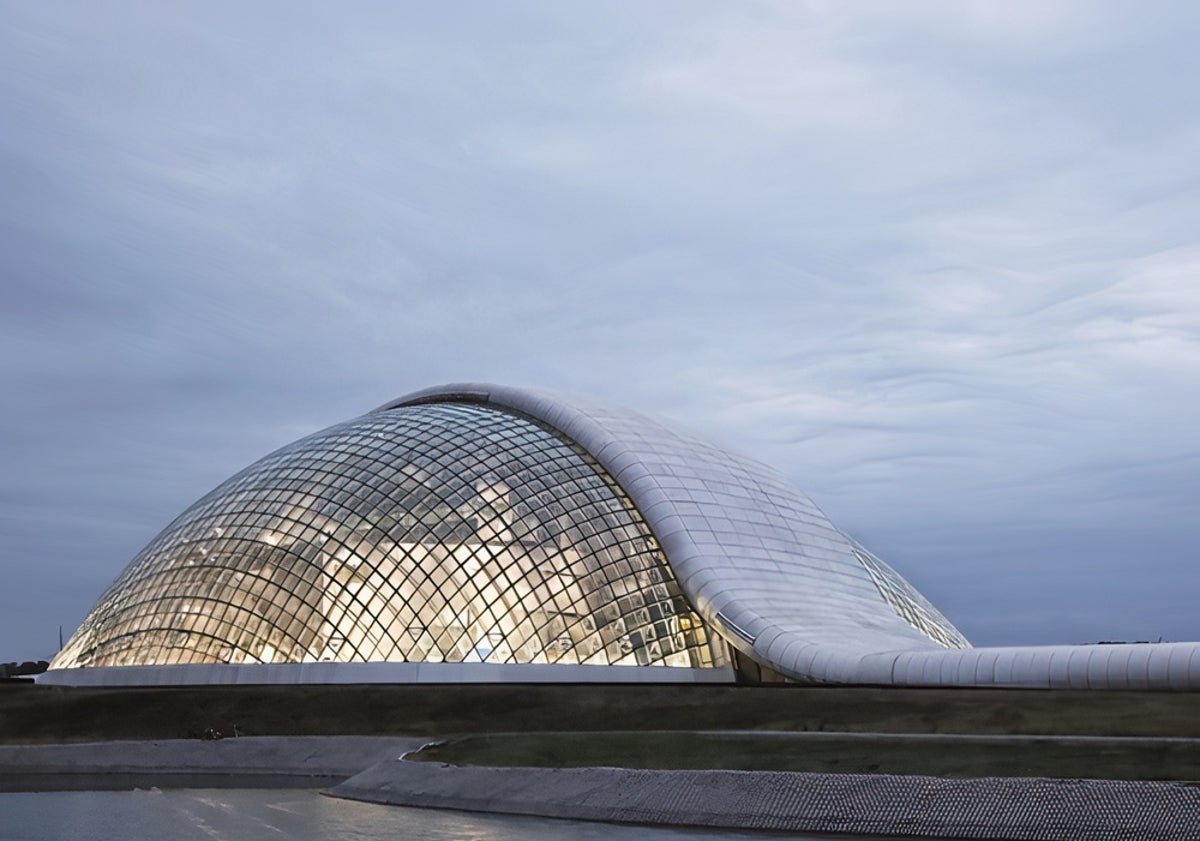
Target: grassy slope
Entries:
(660, 726)
(51, 714)
(833, 753)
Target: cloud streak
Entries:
(937, 264)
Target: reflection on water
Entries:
(232, 815)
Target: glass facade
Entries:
(910, 605)
(447, 532)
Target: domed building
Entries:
(479, 533)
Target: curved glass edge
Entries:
(443, 532)
(908, 603)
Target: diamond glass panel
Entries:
(910, 605)
(444, 532)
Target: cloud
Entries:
(935, 263)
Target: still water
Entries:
(295, 815)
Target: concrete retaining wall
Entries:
(1028, 809)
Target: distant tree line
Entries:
(29, 667)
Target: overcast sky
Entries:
(937, 262)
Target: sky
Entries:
(937, 262)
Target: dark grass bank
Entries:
(951, 756)
(30, 713)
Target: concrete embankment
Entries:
(260, 761)
(881, 805)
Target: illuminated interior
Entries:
(446, 532)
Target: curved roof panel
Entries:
(756, 558)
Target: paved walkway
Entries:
(268, 761)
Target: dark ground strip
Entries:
(937, 755)
(31, 713)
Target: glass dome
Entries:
(445, 532)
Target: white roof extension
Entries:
(761, 563)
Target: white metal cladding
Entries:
(764, 566)
(757, 559)
(1159, 666)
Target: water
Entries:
(291, 815)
